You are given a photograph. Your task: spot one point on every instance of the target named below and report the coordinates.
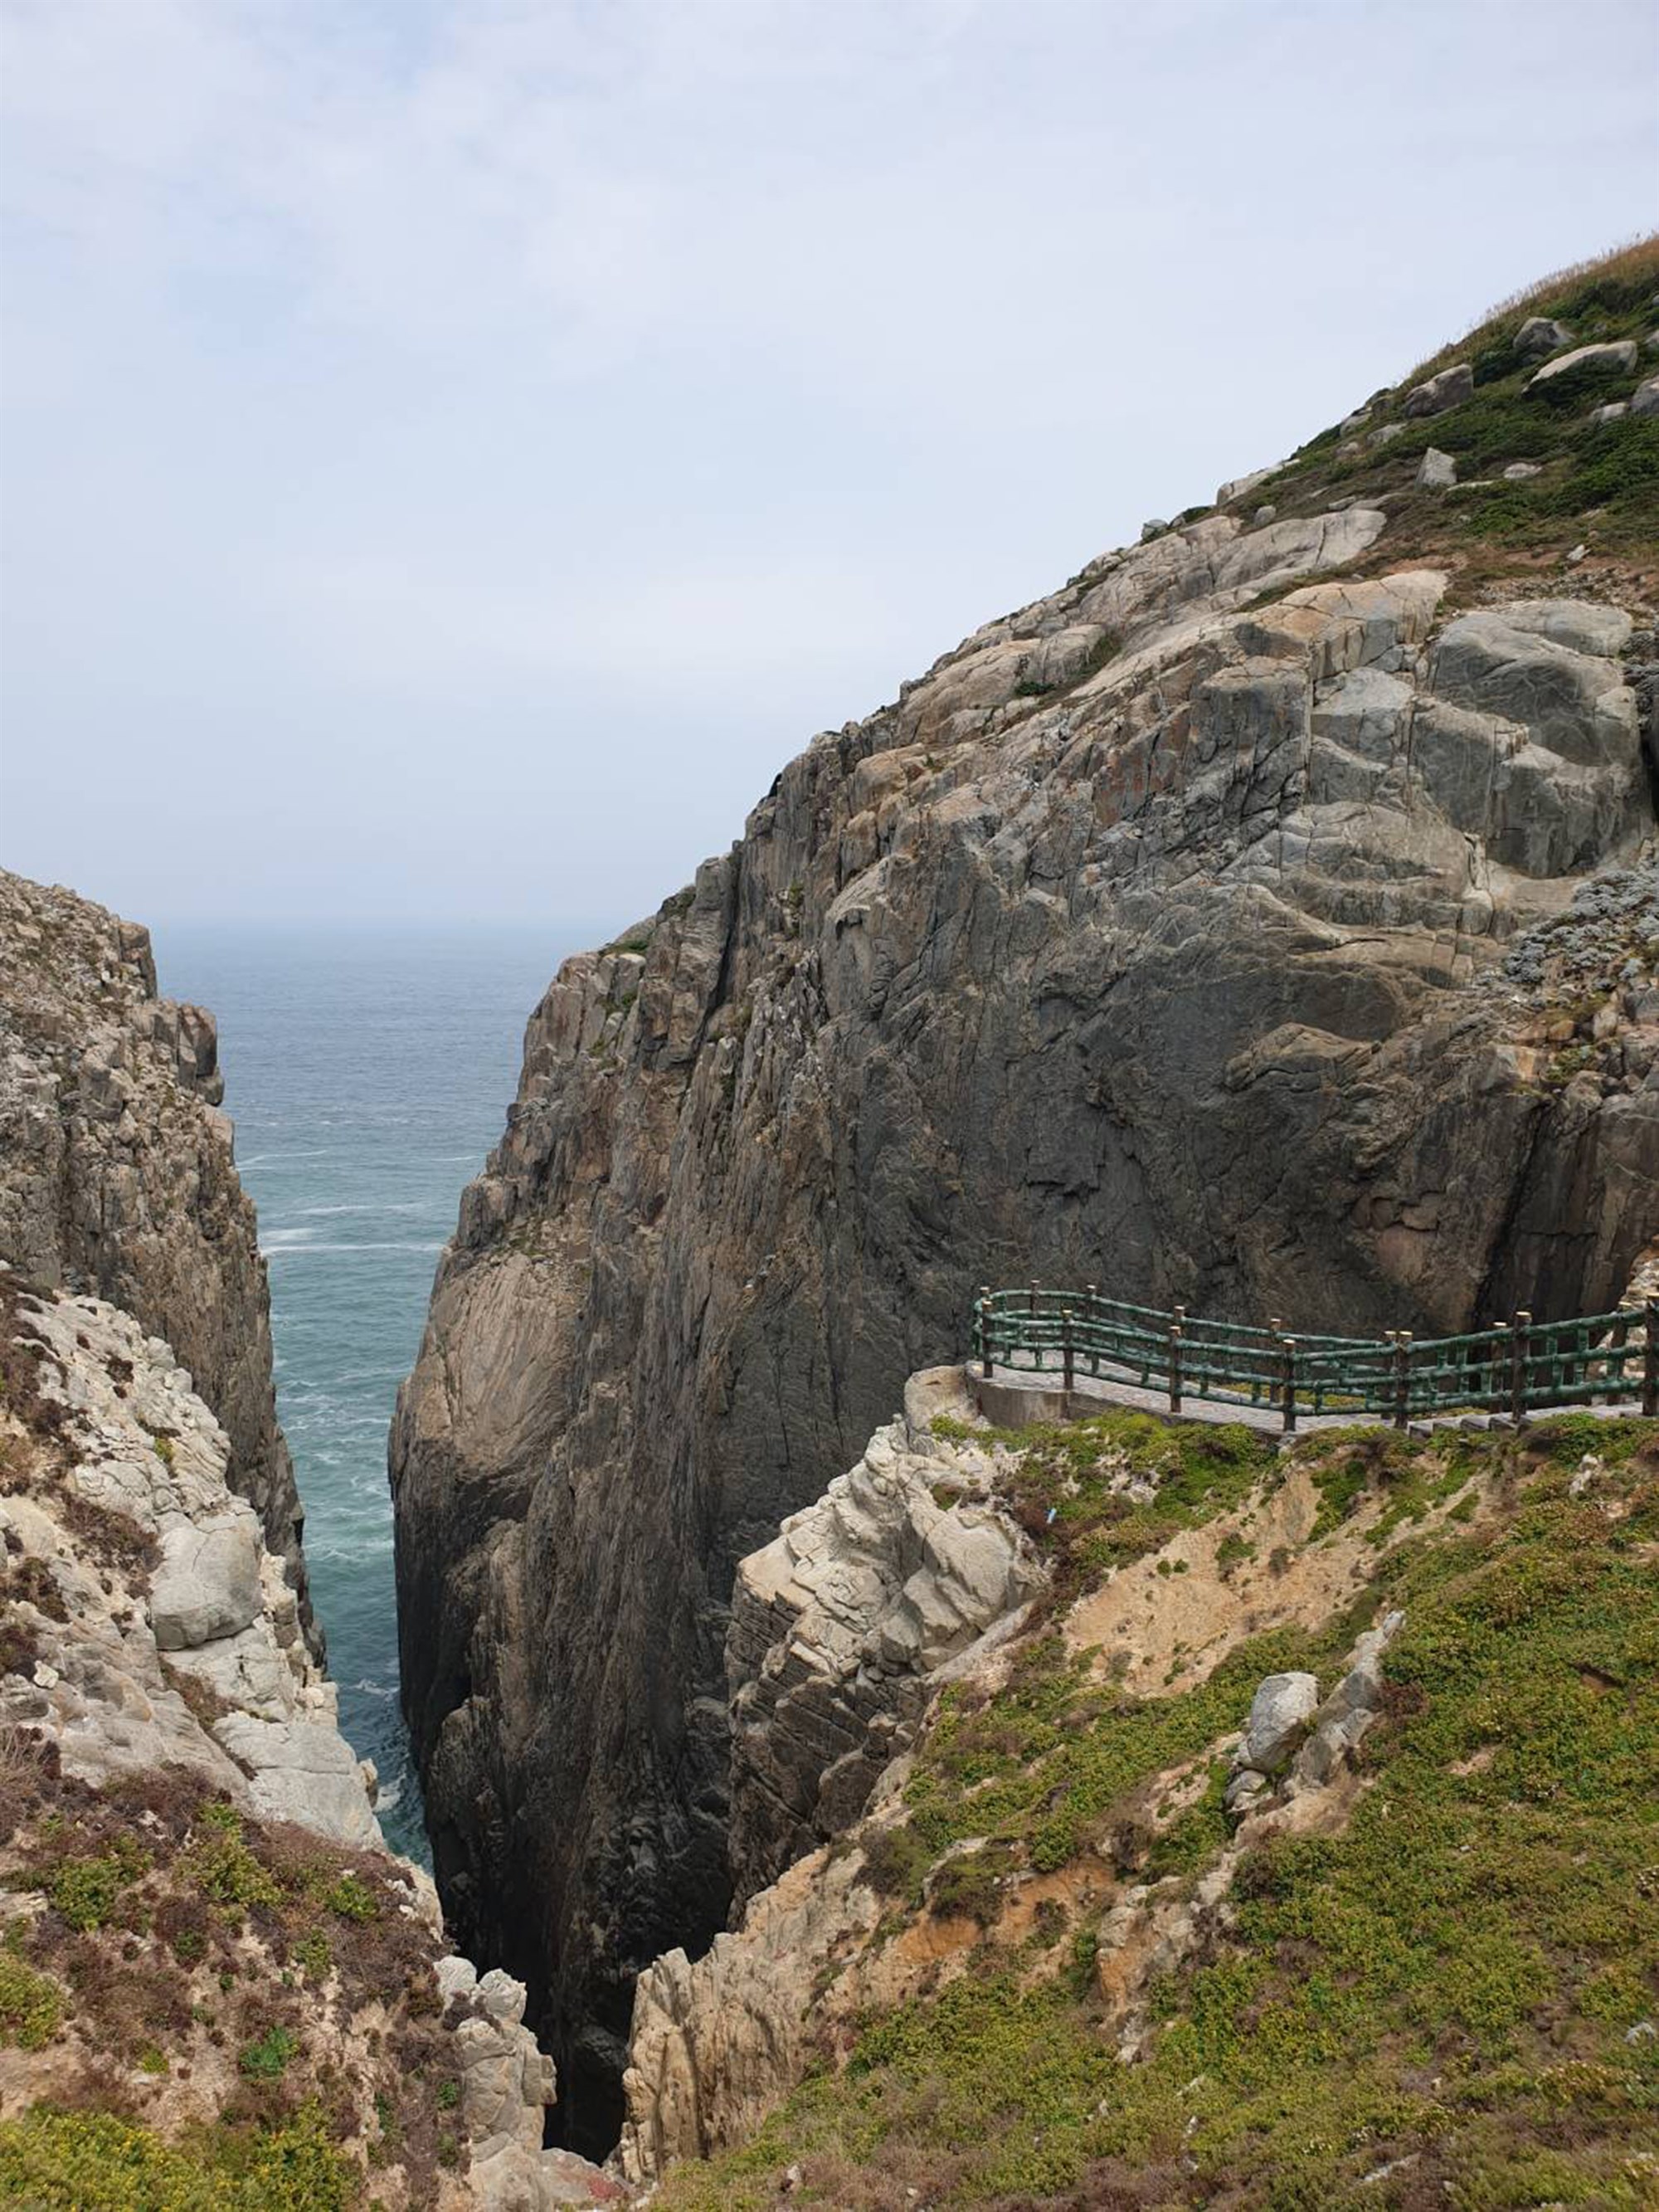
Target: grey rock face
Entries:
(215, 1617)
(1349, 1711)
(839, 1627)
(1448, 389)
(1170, 980)
(1436, 469)
(116, 1175)
(1279, 1713)
(1644, 400)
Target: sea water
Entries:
(367, 1074)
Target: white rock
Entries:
(1279, 1711)
(1620, 353)
(1436, 469)
(1518, 471)
(206, 1584)
(1644, 400)
(457, 1976)
(501, 1998)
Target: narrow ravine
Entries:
(366, 1074)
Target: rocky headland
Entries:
(217, 1987)
(1263, 921)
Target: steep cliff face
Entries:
(1156, 937)
(116, 1176)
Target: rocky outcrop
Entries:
(839, 1628)
(117, 1177)
(1153, 938)
(150, 1650)
(203, 1623)
(837, 1940)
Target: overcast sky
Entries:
(455, 452)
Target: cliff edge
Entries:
(1178, 930)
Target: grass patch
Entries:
(1079, 1488)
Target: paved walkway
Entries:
(1010, 1396)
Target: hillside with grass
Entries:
(1430, 1977)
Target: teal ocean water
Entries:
(368, 1075)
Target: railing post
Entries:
(1519, 1346)
(1091, 1292)
(985, 1329)
(1175, 1327)
(1650, 1361)
(1402, 1341)
(1034, 1298)
(1612, 1366)
(1497, 1372)
(1289, 1384)
(1066, 1345)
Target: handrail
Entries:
(1510, 1368)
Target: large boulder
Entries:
(1281, 1713)
(208, 1583)
(1620, 354)
(1539, 335)
(1448, 389)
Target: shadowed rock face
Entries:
(116, 1176)
(1154, 938)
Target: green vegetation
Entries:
(1071, 1486)
(87, 1891)
(65, 2161)
(266, 2058)
(1603, 476)
(224, 1870)
(1460, 1976)
(352, 1898)
(1039, 1768)
(31, 2004)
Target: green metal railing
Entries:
(1513, 1368)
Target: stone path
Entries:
(1009, 1397)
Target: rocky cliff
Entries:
(1157, 936)
(116, 1176)
(216, 1985)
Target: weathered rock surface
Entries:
(209, 1611)
(1619, 354)
(1448, 389)
(1539, 335)
(145, 1630)
(840, 1625)
(117, 1177)
(1141, 941)
(1279, 1714)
